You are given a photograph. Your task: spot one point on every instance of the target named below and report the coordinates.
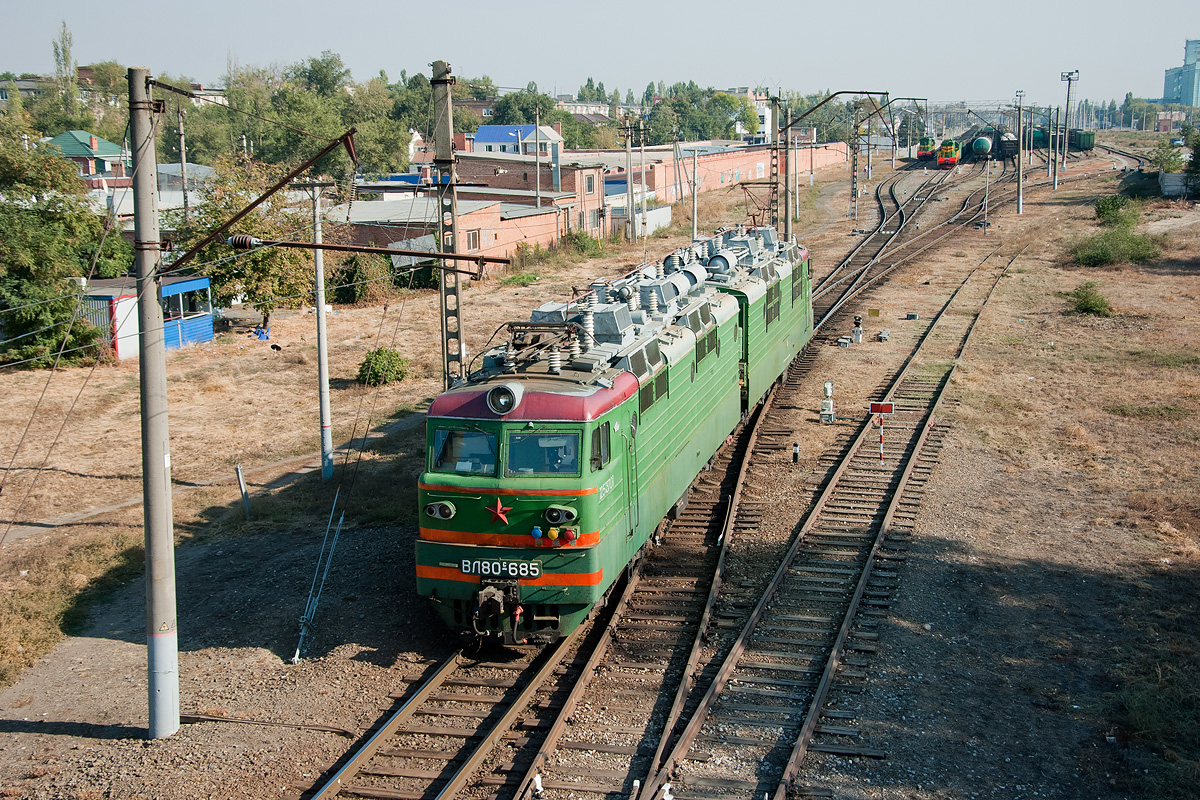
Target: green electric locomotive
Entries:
(549, 468)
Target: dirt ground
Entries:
(1054, 566)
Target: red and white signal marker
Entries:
(882, 409)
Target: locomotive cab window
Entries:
(601, 443)
(465, 452)
(543, 453)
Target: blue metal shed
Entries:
(187, 311)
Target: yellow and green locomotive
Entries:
(949, 154)
(549, 468)
(927, 148)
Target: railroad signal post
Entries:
(883, 410)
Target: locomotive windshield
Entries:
(543, 453)
(467, 452)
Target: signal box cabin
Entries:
(111, 305)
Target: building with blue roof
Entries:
(518, 139)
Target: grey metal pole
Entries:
(787, 178)
(1057, 145)
(322, 349)
(642, 171)
(537, 154)
(695, 188)
(987, 177)
(629, 182)
(1051, 155)
(1069, 77)
(162, 635)
(1020, 152)
(811, 171)
(868, 147)
(183, 163)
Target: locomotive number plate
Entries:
(497, 568)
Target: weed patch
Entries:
(1116, 245)
(521, 279)
(1159, 359)
(1086, 300)
(1171, 413)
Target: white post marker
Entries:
(882, 409)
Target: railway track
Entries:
(614, 708)
(786, 686)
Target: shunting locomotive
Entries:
(552, 464)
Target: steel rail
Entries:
(662, 769)
(351, 768)
(804, 737)
(516, 708)
(550, 742)
(690, 670)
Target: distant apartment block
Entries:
(1182, 84)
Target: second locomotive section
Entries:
(550, 467)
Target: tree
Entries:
(1193, 165)
(648, 95)
(16, 106)
(110, 78)
(1166, 157)
(326, 75)
(66, 72)
(48, 233)
(587, 92)
(268, 278)
(629, 97)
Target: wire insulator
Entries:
(243, 241)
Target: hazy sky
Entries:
(980, 52)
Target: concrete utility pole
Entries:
(1051, 155)
(537, 155)
(629, 182)
(642, 172)
(1069, 77)
(162, 635)
(695, 187)
(785, 140)
(1020, 151)
(1057, 145)
(454, 347)
(183, 163)
(322, 340)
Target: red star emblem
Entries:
(499, 511)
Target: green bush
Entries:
(1086, 300)
(1118, 210)
(382, 366)
(363, 277)
(1113, 246)
(579, 242)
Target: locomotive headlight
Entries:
(504, 398)
(442, 510)
(559, 515)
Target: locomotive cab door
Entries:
(632, 502)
